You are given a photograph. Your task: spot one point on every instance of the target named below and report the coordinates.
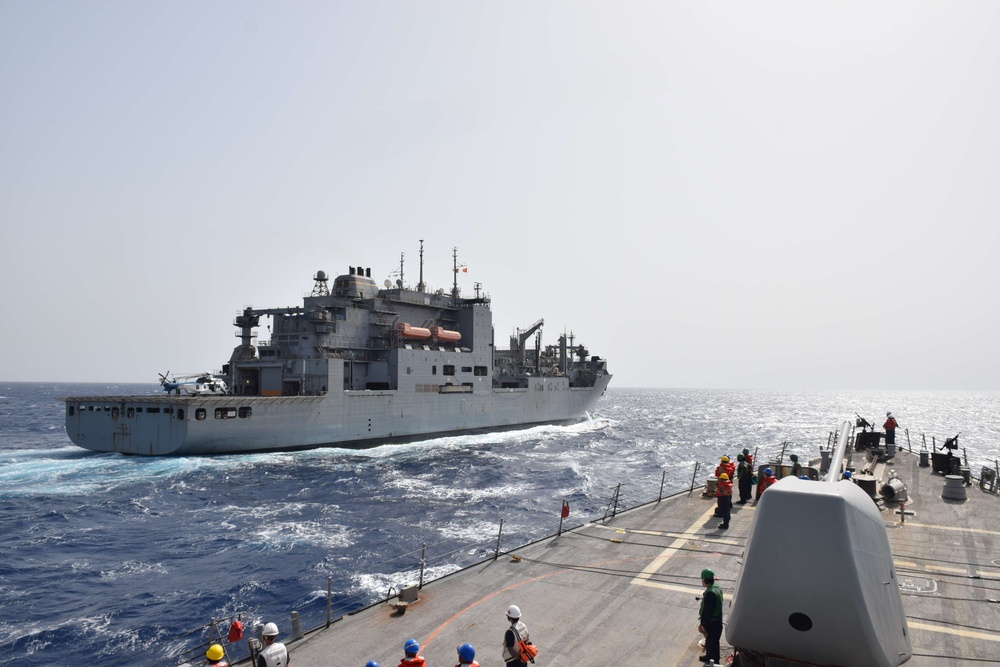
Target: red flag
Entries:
(465, 269)
(565, 509)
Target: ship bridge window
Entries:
(114, 413)
(245, 412)
(180, 414)
(481, 371)
(131, 412)
(466, 369)
(225, 413)
(448, 370)
(72, 410)
(152, 410)
(199, 414)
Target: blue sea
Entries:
(113, 560)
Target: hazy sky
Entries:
(797, 195)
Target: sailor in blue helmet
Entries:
(710, 616)
(467, 656)
(371, 663)
(847, 476)
(412, 658)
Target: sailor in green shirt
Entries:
(710, 616)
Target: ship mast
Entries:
(420, 285)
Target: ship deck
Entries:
(624, 590)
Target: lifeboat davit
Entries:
(446, 336)
(417, 333)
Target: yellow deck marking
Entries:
(642, 579)
(684, 534)
(980, 531)
(968, 634)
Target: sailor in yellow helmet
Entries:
(724, 497)
(215, 655)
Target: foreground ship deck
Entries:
(623, 591)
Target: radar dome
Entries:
(321, 275)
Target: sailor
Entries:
(516, 632)
(890, 427)
(215, 656)
(768, 480)
(467, 656)
(796, 466)
(411, 657)
(371, 663)
(748, 457)
(274, 654)
(724, 498)
(847, 476)
(725, 466)
(744, 478)
(710, 616)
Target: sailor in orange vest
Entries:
(768, 480)
(726, 466)
(411, 648)
(724, 497)
(890, 427)
(467, 656)
(748, 457)
(215, 656)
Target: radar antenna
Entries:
(319, 287)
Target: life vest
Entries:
(520, 630)
(890, 424)
(413, 662)
(724, 488)
(275, 655)
(766, 482)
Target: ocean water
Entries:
(112, 560)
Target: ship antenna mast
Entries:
(455, 267)
(420, 285)
(401, 270)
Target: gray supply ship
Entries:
(354, 366)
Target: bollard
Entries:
(954, 489)
(925, 459)
(296, 626)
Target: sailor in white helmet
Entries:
(274, 654)
(516, 631)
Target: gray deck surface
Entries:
(625, 592)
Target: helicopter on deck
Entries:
(195, 384)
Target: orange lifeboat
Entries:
(417, 333)
(446, 336)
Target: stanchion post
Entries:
(663, 480)
(423, 566)
(496, 554)
(329, 601)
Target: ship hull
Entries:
(197, 425)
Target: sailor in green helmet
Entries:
(710, 616)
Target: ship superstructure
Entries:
(356, 365)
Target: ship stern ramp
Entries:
(818, 584)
